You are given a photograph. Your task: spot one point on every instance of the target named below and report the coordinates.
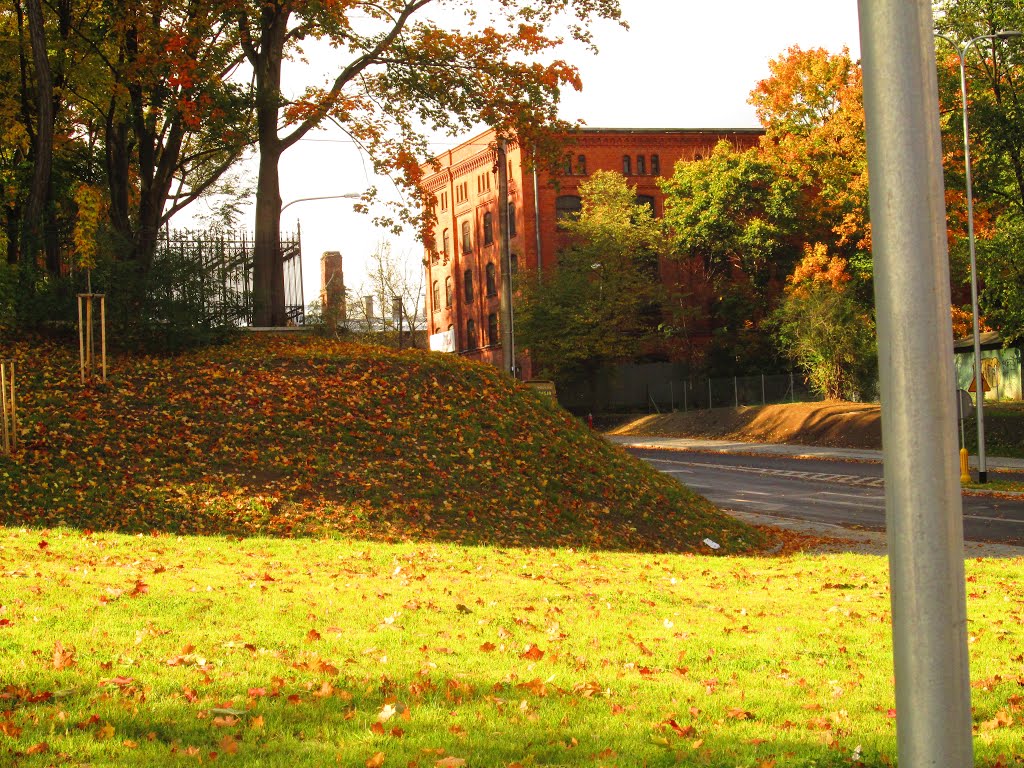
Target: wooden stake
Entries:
(81, 341)
(103, 333)
(14, 413)
(3, 399)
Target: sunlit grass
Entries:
(143, 650)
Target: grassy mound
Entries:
(290, 437)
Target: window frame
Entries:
(467, 285)
(435, 296)
(493, 336)
(641, 165)
(491, 279)
(627, 165)
(488, 225)
(449, 293)
(467, 237)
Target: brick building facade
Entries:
(463, 272)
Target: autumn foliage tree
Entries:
(405, 68)
(826, 331)
(811, 107)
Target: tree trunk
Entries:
(268, 307)
(39, 189)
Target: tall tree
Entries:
(404, 72)
(730, 222)
(825, 330)
(811, 107)
(602, 303)
(174, 121)
(995, 91)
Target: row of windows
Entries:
(442, 200)
(490, 278)
(488, 232)
(462, 192)
(569, 206)
(483, 183)
(641, 165)
(579, 169)
(472, 341)
(492, 331)
(577, 166)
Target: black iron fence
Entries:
(219, 273)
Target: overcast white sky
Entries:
(682, 64)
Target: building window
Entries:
(648, 201)
(581, 165)
(567, 207)
(488, 228)
(467, 243)
(627, 165)
(641, 165)
(513, 263)
(446, 239)
(448, 291)
(436, 296)
(471, 334)
(492, 329)
(655, 165)
(467, 283)
(492, 283)
(567, 165)
(511, 220)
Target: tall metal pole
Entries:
(979, 380)
(915, 344)
(508, 352)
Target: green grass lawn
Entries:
(300, 553)
(167, 650)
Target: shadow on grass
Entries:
(315, 718)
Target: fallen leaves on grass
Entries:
(308, 437)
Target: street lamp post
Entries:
(346, 196)
(979, 385)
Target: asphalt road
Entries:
(850, 494)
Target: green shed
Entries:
(1000, 366)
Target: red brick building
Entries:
(463, 273)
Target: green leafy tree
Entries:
(825, 330)
(730, 223)
(1002, 273)
(995, 89)
(602, 303)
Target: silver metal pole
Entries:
(961, 53)
(915, 345)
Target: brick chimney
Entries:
(332, 282)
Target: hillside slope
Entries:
(286, 436)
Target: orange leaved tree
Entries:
(407, 68)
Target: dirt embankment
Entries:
(830, 423)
